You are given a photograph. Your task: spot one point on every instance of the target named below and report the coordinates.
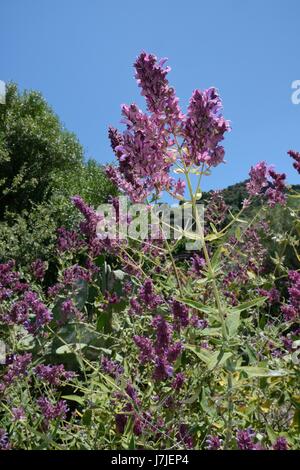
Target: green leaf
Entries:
(194, 397)
(65, 349)
(249, 304)
(211, 358)
(82, 290)
(215, 261)
(238, 233)
(271, 434)
(211, 237)
(233, 322)
(218, 358)
(76, 398)
(68, 349)
(204, 355)
(213, 227)
(131, 445)
(251, 354)
(198, 306)
(87, 417)
(261, 371)
(205, 404)
(213, 332)
(76, 336)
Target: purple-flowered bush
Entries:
(144, 344)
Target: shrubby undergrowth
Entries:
(135, 344)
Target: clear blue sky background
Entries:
(79, 54)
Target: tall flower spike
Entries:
(263, 176)
(142, 155)
(146, 150)
(296, 156)
(204, 128)
(160, 97)
(258, 178)
(275, 193)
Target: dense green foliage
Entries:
(33, 144)
(41, 166)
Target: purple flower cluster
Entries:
(163, 334)
(146, 297)
(275, 193)
(7, 275)
(135, 307)
(213, 442)
(263, 176)
(38, 269)
(231, 297)
(55, 289)
(69, 311)
(280, 444)
(181, 314)
(162, 352)
(291, 311)
(246, 254)
(273, 295)
(4, 442)
(204, 129)
(197, 322)
(121, 420)
(18, 414)
(147, 149)
(112, 368)
(236, 275)
(184, 436)
(178, 381)
(53, 374)
(143, 159)
(163, 368)
(296, 156)
(160, 97)
(42, 315)
(244, 439)
(68, 240)
(17, 368)
(52, 411)
(258, 178)
(18, 314)
(145, 345)
(27, 309)
(75, 273)
(10, 282)
(216, 209)
(89, 225)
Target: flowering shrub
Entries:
(134, 346)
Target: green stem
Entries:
(220, 310)
(207, 258)
(174, 267)
(230, 410)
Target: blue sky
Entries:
(79, 54)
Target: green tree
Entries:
(33, 143)
(87, 180)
